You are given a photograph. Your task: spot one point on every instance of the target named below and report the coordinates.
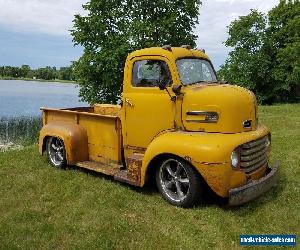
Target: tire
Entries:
(56, 152)
(179, 183)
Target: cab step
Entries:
(131, 175)
(99, 167)
(124, 176)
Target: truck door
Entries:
(148, 110)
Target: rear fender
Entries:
(74, 137)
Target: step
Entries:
(132, 174)
(123, 176)
(111, 169)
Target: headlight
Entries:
(235, 159)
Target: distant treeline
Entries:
(47, 73)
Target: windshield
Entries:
(195, 70)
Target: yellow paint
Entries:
(149, 123)
(102, 132)
(232, 103)
(210, 154)
(73, 135)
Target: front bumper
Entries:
(255, 188)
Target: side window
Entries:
(148, 73)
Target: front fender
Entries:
(74, 137)
(209, 153)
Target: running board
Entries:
(130, 175)
(124, 176)
(100, 167)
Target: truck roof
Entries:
(176, 52)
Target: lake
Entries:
(24, 98)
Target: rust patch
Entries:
(255, 188)
(202, 86)
(134, 165)
(211, 163)
(107, 109)
(123, 177)
(136, 149)
(187, 158)
(131, 175)
(99, 167)
(198, 87)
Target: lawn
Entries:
(43, 207)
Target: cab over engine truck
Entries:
(176, 124)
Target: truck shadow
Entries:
(210, 199)
(150, 188)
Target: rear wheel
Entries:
(56, 152)
(179, 183)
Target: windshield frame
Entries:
(199, 58)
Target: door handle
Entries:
(129, 102)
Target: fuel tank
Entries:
(219, 108)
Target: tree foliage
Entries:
(266, 53)
(47, 73)
(112, 29)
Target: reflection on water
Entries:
(24, 98)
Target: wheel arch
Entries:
(153, 165)
(45, 139)
(206, 153)
(74, 137)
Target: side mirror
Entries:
(162, 85)
(177, 89)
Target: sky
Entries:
(36, 32)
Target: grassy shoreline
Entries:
(42, 207)
(15, 131)
(36, 80)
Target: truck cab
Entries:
(177, 124)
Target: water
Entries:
(20, 102)
(24, 98)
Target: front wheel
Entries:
(56, 152)
(179, 183)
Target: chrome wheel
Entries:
(56, 152)
(174, 180)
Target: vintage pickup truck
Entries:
(176, 124)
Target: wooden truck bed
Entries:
(102, 124)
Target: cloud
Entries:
(39, 16)
(54, 17)
(215, 16)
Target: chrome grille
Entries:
(254, 154)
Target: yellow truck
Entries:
(176, 124)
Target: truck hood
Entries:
(234, 109)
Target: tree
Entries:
(112, 29)
(284, 43)
(65, 73)
(265, 55)
(47, 73)
(25, 69)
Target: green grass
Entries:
(35, 80)
(45, 208)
